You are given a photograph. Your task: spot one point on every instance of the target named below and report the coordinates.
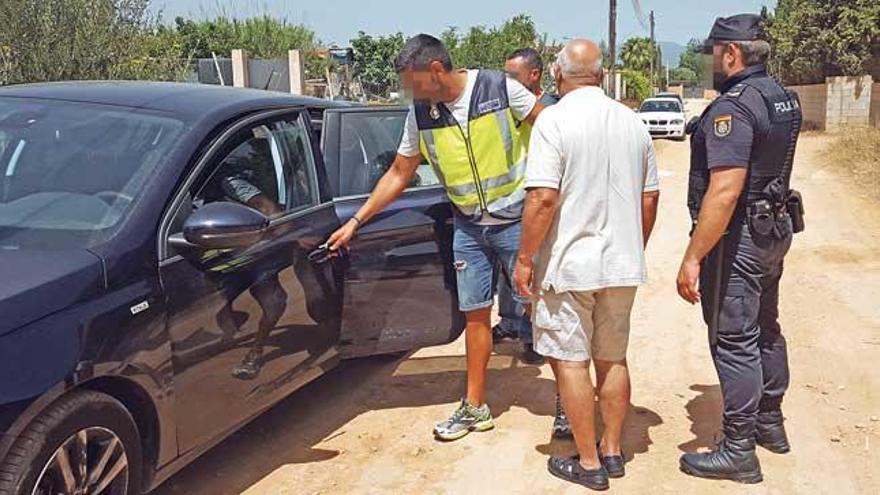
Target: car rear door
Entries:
(399, 285)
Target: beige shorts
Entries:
(579, 326)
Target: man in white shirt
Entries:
(591, 203)
(466, 124)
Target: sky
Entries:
(337, 21)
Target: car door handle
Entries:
(323, 254)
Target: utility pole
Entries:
(612, 45)
(653, 50)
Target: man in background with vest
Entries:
(466, 124)
(744, 215)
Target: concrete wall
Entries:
(814, 102)
(849, 101)
(875, 105)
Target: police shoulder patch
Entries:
(723, 125)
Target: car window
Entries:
(268, 167)
(368, 145)
(660, 106)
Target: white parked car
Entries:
(664, 117)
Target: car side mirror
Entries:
(691, 125)
(222, 225)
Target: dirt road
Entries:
(366, 427)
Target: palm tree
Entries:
(636, 54)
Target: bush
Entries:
(638, 86)
(82, 39)
(855, 152)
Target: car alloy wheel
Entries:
(92, 461)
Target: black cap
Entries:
(740, 27)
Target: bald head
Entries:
(579, 64)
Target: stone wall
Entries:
(814, 104)
(849, 101)
(677, 89)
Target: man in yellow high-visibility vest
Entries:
(466, 124)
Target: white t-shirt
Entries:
(521, 100)
(599, 155)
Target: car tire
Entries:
(84, 417)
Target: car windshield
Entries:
(70, 172)
(660, 106)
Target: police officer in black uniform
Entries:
(744, 216)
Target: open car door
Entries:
(399, 283)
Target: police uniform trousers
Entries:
(750, 354)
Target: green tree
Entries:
(262, 36)
(691, 64)
(374, 61)
(683, 75)
(477, 47)
(813, 39)
(83, 39)
(637, 53)
(488, 47)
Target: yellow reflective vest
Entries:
(483, 169)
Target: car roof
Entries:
(189, 101)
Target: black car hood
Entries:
(34, 284)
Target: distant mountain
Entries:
(671, 52)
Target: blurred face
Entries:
(725, 61)
(518, 69)
(425, 84)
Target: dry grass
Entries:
(856, 154)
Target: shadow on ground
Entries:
(704, 412)
(636, 437)
(289, 432)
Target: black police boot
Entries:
(734, 460)
(770, 432)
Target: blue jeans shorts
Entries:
(477, 251)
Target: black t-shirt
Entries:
(727, 130)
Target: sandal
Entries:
(570, 469)
(614, 464)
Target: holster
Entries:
(769, 212)
(795, 206)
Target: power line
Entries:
(640, 15)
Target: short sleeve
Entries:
(239, 189)
(652, 179)
(409, 142)
(546, 162)
(729, 130)
(522, 101)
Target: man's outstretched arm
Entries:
(389, 188)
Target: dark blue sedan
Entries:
(162, 275)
